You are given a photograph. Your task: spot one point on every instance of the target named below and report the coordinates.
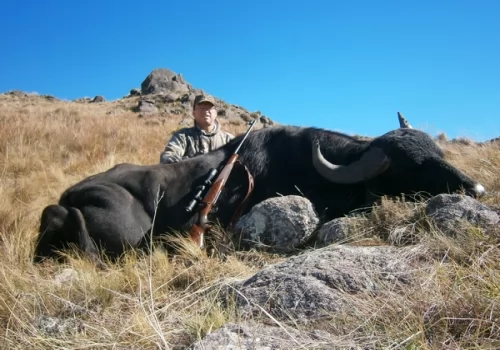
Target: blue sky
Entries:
(344, 65)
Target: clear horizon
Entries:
(343, 65)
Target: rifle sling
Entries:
(245, 200)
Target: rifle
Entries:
(210, 199)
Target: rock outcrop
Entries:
(163, 80)
(173, 95)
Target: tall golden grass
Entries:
(154, 301)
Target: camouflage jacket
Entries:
(192, 141)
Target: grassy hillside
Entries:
(144, 303)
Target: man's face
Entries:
(205, 114)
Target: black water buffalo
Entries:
(114, 210)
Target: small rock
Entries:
(332, 231)
(135, 92)
(146, 106)
(66, 276)
(98, 99)
(254, 337)
(55, 326)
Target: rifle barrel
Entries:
(252, 123)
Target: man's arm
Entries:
(174, 150)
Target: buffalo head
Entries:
(396, 162)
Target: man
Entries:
(206, 134)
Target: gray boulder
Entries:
(312, 286)
(163, 81)
(278, 224)
(454, 213)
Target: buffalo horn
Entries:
(373, 162)
(403, 123)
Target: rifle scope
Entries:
(197, 197)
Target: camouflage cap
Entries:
(203, 98)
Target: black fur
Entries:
(118, 205)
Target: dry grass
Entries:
(148, 302)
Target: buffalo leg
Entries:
(85, 242)
(50, 234)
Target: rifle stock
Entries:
(202, 225)
(198, 229)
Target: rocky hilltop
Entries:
(163, 94)
(164, 91)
